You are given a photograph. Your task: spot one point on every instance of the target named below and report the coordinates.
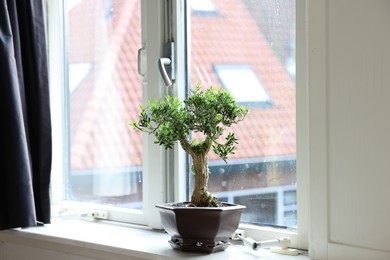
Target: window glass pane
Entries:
(105, 91)
(248, 47)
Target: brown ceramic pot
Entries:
(200, 229)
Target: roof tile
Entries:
(105, 102)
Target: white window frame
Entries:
(154, 175)
(154, 179)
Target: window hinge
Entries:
(142, 68)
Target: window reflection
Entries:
(247, 48)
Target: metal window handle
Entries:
(166, 65)
(161, 63)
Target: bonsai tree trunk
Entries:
(201, 197)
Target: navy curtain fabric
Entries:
(25, 127)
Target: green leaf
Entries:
(207, 111)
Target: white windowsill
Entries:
(118, 241)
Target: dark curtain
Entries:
(25, 127)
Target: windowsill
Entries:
(116, 241)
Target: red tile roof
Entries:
(109, 97)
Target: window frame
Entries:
(156, 181)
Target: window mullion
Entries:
(180, 34)
(154, 157)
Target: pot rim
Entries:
(172, 206)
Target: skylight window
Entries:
(72, 3)
(77, 73)
(203, 6)
(244, 84)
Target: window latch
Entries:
(166, 65)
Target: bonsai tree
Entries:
(205, 111)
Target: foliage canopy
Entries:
(205, 111)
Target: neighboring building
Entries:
(228, 50)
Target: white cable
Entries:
(279, 245)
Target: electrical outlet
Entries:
(238, 233)
(100, 214)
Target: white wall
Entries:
(349, 83)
